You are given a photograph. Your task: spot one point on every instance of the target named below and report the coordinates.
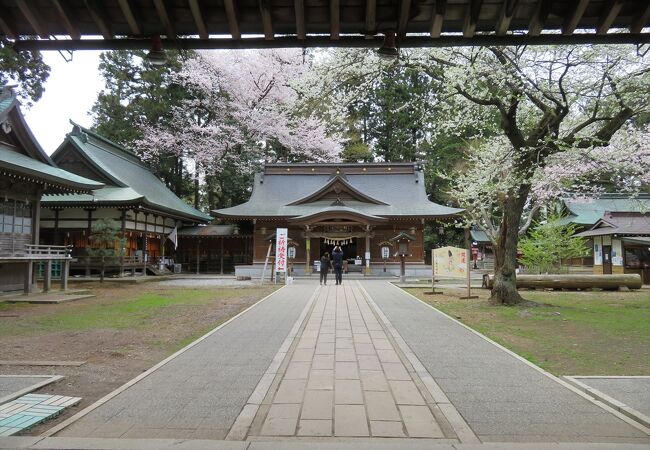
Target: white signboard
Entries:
(385, 252)
(281, 250)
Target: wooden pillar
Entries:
(36, 230)
(65, 272)
(198, 255)
(57, 240)
(47, 276)
(29, 270)
(367, 255)
(221, 255)
(307, 251)
(144, 250)
(90, 221)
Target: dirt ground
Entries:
(114, 355)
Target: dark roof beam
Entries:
(100, 18)
(32, 17)
(127, 10)
(506, 14)
(371, 18)
(163, 15)
(403, 18)
(471, 18)
(345, 41)
(608, 16)
(267, 19)
(335, 19)
(438, 17)
(642, 19)
(233, 19)
(68, 21)
(538, 19)
(198, 19)
(571, 22)
(299, 7)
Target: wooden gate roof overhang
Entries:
(203, 24)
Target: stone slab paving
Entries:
(632, 391)
(345, 379)
(502, 398)
(199, 394)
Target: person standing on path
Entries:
(337, 260)
(325, 265)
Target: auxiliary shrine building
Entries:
(140, 203)
(364, 208)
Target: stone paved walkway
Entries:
(502, 398)
(354, 372)
(346, 378)
(198, 394)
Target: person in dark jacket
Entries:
(325, 265)
(337, 262)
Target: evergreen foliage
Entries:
(550, 242)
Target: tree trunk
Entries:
(504, 290)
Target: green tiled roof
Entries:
(479, 236)
(133, 180)
(589, 211)
(294, 195)
(24, 165)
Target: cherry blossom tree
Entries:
(242, 109)
(540, 102)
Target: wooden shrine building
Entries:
(145, 209)
(358, 206)
(26, 173)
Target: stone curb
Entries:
(28, 442)
(566, 384)
(610, 401)
(241, 427)
(463, 431)
(66, 423)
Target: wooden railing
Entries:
(18, 247)
(34, 250)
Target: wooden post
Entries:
(367, 255)
(29, 269)
(65, 272)
(57, 239)
(221, 256)
(47, 276)
(198, 255)
(307, 251)
(144, 250)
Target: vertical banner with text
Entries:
(281, 250)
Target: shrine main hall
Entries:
(364, 208)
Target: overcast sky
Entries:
(70, 92)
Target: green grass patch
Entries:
(572, 333)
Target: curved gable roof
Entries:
(294, 193)
(126, 171)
